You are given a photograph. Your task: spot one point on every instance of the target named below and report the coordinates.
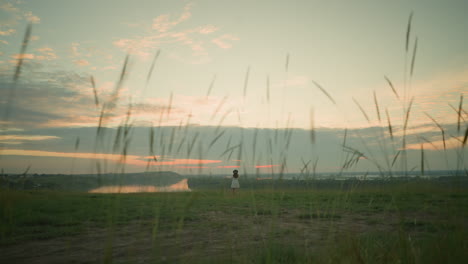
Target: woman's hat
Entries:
(235, 171)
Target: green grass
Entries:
(362, 225)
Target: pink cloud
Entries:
(450, 143)
(26, 137)
(163, 23)
(192, 167)
(23, 56)
(8, 7)
(222, 41)
(32, 18)
(7, 32)
(185, 162)
(128, 159)
(81, 62)
(208, 29)
(46, 53)
(166, 32)
(266, 166)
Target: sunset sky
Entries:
(234, 84)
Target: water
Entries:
(181, 186)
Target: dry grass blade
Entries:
(26, 171)
(228, 145)
(171, 141)
(395, 158)
(218, 108)
(169, 107)
(362, 110)
(415, 49)
(24, 45)
(151, 140)
(465, 137)
(190, 146)
(460, 107)
(115, 94)
(216, 138)
(408, 31)
(456, 111)
(254, 144)
(150, 72)
(101, 120)
(377, 106)
(96, 99)
(16, 75)
(270, 145)
(441, 129)
(77, 143)
(230, 149)
(211, 86)
(422, 159)
(246, 80)
(239, 155)
(286, 65)
(268, 88)
(325, 92)
(305, 166)
(391, 86)
(345, 137)
(312, 126)
(117, 139)
(429, 142)
(407, 115)
(390, 130)
(221, 121)
(314, 168)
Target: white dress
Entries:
(235, 183)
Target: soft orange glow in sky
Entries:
(266, 166)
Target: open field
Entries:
(413, 222)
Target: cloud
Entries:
(81, 62)
(292, 81)
(186, 44)
(450, 143)
(26, 137)
(185, 162)
(192, 167)
(11, 15)
(163, 23)
(9, 7)
(327, 148)
(42, 97)
(46, 53)
(129, 159)
(74, 49)
(27, 56)
(222, 41)
(32, 18)
(265, 166)
(208, 29)
(7, 32)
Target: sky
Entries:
(264, 86)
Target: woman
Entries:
(235, 181)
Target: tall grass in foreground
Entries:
(409, 222)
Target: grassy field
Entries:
(414, 222)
